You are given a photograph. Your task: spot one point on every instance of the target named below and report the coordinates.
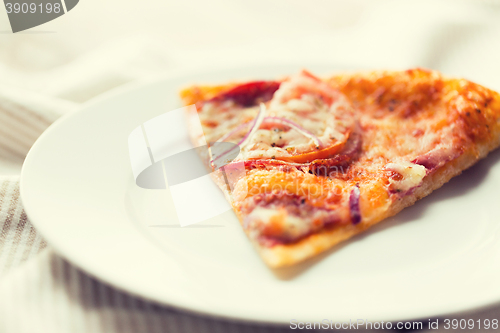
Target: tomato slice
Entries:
(317, 155)
(342, 158)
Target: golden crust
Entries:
(391, 105)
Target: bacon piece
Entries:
(274, 230)
(437, 157)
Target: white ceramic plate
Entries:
(438, 257)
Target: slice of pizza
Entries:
(325, 159)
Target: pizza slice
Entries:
(325, 159)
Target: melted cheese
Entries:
(282, 224)
(412, 174)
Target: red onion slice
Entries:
(279, 120)
(255, 126)
(236, 130)
(296, 127)
(354, 205)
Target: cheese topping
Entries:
(281, 224)
(412, 175)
